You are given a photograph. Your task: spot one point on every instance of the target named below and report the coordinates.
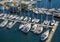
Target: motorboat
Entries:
(35, 11)
(4, 23)
(37, 28)
(17, 17)
(21, 26)
(10, 16)
(52, 22)
(45, 35)
(5, 16)
(35, 20)
(11, 24)
(52, 10)
(26, 18)
(29, 19)
(34, 27)
(57, 15)
(46, 22)
(26, 28)
(21, 18)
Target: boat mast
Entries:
(41, 16)
(12, 7)
(28, 13)
(20, 6)
(52, 12)
(37, 10)
(46, 14)
(3, 9)
(33, 13)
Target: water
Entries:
(15, 35)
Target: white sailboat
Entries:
(9, 24)
(51, 10)
(45, 35)
(4, 23)
(21, 18)
(26, 28)
(26, 18)
(35, 20)
(21, 26)
(37, 29)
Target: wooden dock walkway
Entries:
(52, 32)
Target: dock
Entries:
(52, 32)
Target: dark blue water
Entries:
(15, 35)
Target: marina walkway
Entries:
(52, 32)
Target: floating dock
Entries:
(52, 32)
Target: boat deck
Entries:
(52, 32)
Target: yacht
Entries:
(10, 24)
(11, 16)
(21, 26)
(34, 27)
(26, 28)
(52, 22)
(5, 16)
(52, 10)
(37, 29)
(35, 20)
(14, 16)
(58, 9)
(33, 2)
(57, 15)
(42, 10)
(29, 19)
(45, 35)
(35, 11)
(1, 14)
(3, 23)
(26, 18)
(17, 17)
(38, 0)
(46, 22)
(21, 18)
(48, 13)
(8, 16)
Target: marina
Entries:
(29, 20)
